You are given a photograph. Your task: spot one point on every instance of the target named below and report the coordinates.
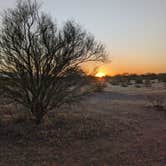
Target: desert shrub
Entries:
(137, 86)
(162, 77)
(98, 86)
(129, 83)
(138, 81)
(147, 83)
(124, 84)
(157, 102)
(114, 82)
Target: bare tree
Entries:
(42, 62)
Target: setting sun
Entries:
(100, 74)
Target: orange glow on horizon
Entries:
(114, 68)
(100, 74)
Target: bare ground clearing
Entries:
(111, 128)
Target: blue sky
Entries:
(134, 31)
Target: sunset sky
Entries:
(134, 31)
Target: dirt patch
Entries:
(108, 132)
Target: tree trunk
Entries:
(38, 113)
(38, 120)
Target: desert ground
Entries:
(119, 126)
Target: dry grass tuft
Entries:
(157, 102)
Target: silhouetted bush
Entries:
(124, 84)
(137, 85)
(139, 81)
(99, 86)
(147, 83)
(114, 82)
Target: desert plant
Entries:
(41, 62)
(138, 81)
(147, 83)
(124, 84)
(137, 85)
(99, 86)
(162, 77)
(157, 102)
(114, 82)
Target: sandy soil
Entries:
(120, 129)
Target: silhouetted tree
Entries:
(42, 62)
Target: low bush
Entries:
(137, 86)
(98, 86)
(157, 102)
(124, 84)
(138, 81)
(147, 83)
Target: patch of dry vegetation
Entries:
(64, 126)
(20, 138)
(157, 102)
(102, 131)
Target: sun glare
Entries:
(100, 74)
